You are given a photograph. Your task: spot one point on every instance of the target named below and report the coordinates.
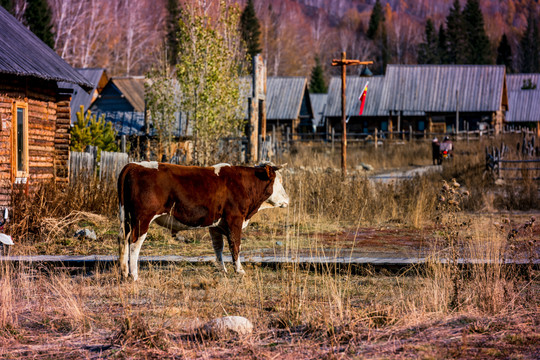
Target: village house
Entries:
(467, 96)
(34, 110)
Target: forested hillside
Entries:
(125, 36)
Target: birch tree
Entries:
(209, 78)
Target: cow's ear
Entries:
(278, 167)
(265, 173)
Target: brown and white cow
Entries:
(222, 198)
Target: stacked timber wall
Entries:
(48, 134)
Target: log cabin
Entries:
(34, 110)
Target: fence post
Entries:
(410, 133)
(333, 139)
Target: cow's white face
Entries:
(279, 197)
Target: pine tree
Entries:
(455, 39)
(251, 29)
(504, 54)
(173, 28)
(88, 130)
(530, 46)
(8, 5)
(428, 51)
(441, 46)
(476, 39)
(317, 85)
(38, 17)
(376, 18)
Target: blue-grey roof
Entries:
(433, 88)
(354, 87)
(24, 54)
(524, 106)
(515, 81)
(80, 96)
(318, 103)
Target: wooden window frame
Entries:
(20, 175)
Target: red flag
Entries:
(362, 99)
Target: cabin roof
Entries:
(80, 96)
(516, 81)
(284, 97)
(524, 106)
(354, 87)
(132, 87)
(433, 88)
(24, 54)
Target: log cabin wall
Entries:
(48, 133)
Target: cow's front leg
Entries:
(217, 243)
(123, 245)
(134, 250)
(234, 238)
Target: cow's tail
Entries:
(122, 233)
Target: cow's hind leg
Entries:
(217, 243)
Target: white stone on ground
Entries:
(227, 326)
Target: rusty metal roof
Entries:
(433, 88)
(132, 87)
(524, 106)
(24, 54)
(354, 87)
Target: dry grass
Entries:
(323, 313)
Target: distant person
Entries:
(447, 145)
(435, 151)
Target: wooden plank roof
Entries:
(284, 97)
(433, 88)
(524, 106)
(354, 87)
(132, 87)
(515, 81)
(24, 54)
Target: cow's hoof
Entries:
(221, 267)
(241, 272)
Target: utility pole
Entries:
(343, 63)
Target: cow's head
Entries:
(279, 197)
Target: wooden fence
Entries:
(85, 165)
(524, 164)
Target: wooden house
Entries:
(524, 100)
(472, 96)
(97, 78)
(34, 109)
(122, 102)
